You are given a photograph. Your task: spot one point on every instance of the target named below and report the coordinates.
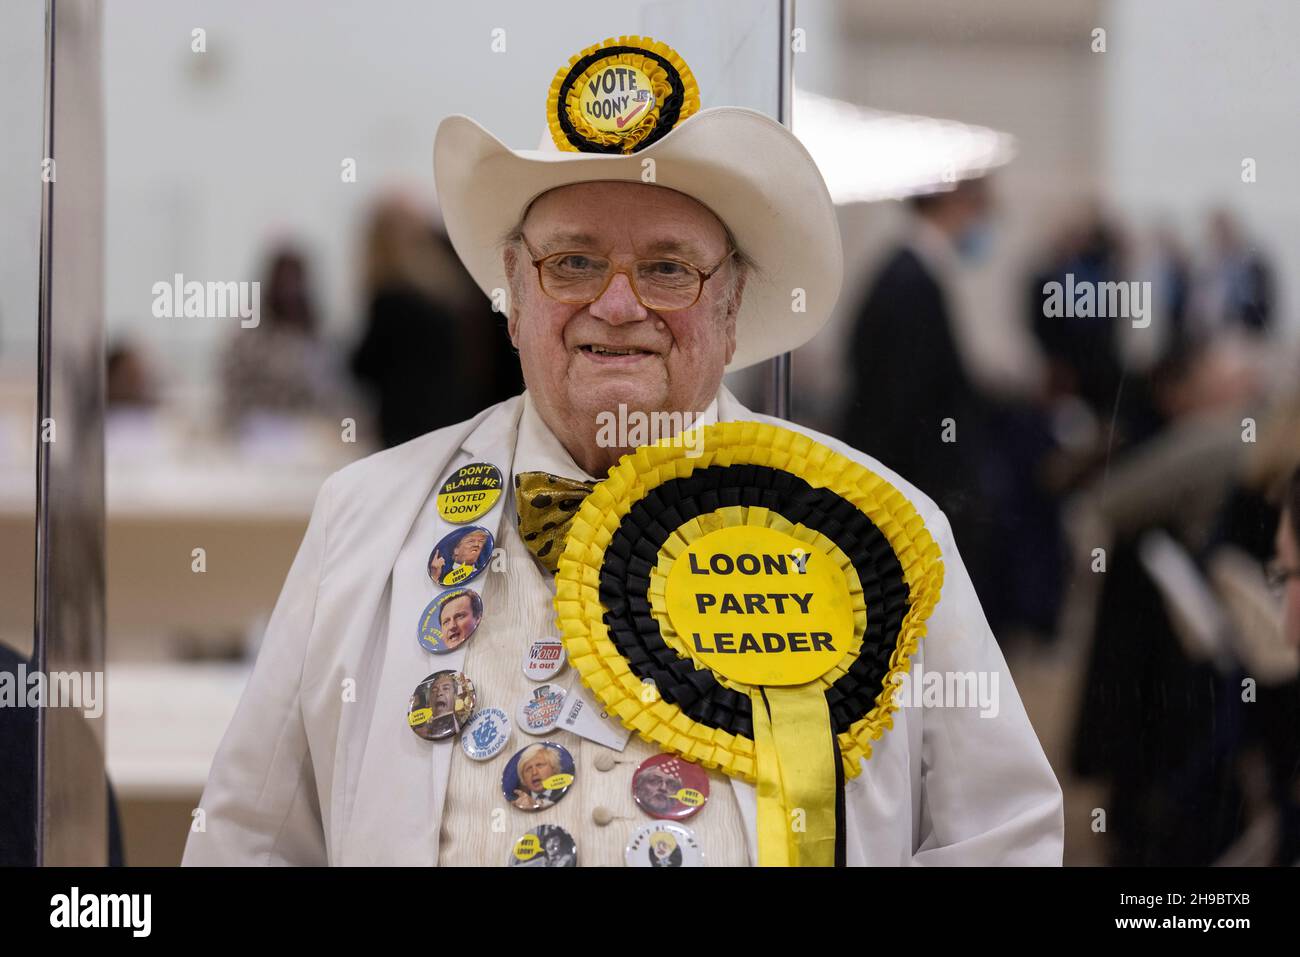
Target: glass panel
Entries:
(70, 467)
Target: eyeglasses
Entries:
(1278, 575)
(664, 285)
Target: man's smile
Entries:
(614, 355)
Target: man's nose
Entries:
(618, 303)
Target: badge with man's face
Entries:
(441, 705)
(663, 845)
(666, 786)
(547, 845)
(460, 556)
(449, 620)
(537, 776)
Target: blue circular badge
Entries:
(449, 620)
(460, 556)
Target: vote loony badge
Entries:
(751, 608)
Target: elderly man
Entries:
(653, 249)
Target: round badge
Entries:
(615, 96)
(460, 555)
(486, 735)
(537, 776)
(441, 705)
(547, 845)
(448, 621)
(663, 845)
(539, 713)
(669, 787)
(804, 633)
(544, 658)
(620, 96)
(469, 492)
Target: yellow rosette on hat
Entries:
(752, 607)
(620, 96)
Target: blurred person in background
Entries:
(129, 382)
(1163, 719)
(904, 356)
(432, 352)
(1233, 286)
(1082, 351)
(1171, 265)
(986, 470)
(18, 779)
(280, 365)
(1287, 571)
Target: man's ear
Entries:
(731, 337)
(510, 260)
(738, 292)
(733, 310)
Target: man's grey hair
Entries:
(552, 757)
(740, 266)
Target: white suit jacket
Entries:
(304, 777)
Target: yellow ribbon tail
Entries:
(795, 766)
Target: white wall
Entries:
(212, 155)
(1191, 88)
(22, 86)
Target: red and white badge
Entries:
(544, 659)
(669, 787)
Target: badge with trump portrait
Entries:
(751, 608)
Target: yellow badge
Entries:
(620, 96)
(469, 492)
(757, 606)
(458, 574)
(615, 96)
(528, 847)
(690, 797)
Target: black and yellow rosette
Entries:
(620, 96)
(751, 607)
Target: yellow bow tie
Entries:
(546, 504)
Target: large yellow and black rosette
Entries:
(749, 600)
(620, 96)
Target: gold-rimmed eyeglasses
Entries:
(664, 284)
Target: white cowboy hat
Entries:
(751, 171)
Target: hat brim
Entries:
(751, 171)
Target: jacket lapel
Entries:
(391, 661)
